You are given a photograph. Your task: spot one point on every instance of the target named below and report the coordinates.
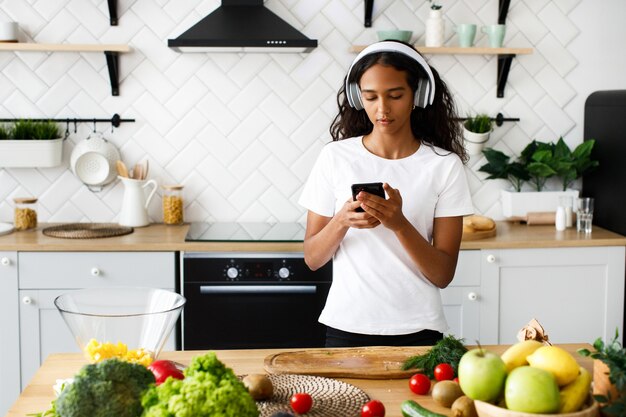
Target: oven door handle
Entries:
(258, 289)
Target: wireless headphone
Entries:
(425, 93)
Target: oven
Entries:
(246, 300)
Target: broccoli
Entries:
(209, 389)
(111, 388)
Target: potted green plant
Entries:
(31, 143)
(609, 375)
(538, 162)
(476, 130)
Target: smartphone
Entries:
(375, 188)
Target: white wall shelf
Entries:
(111, 53)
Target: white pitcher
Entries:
(135, 204)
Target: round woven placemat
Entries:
(86, 230)
(330, 396)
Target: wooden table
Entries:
(38, 394)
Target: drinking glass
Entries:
(584, 214)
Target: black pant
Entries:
(339, 338)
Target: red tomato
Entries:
(373, 408)
(301, 402)
(444, 372)
(419, 384)
(162, 369)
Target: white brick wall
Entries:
(241, 131)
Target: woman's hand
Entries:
(388, 212)
(348, 217)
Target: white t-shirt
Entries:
(376, 288)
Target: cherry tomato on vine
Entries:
(419, 384)
(301, 402)
(444, 372)
(373, 408)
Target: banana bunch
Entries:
(573, 380)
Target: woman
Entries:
(395, 125)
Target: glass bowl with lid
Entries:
(129, 323)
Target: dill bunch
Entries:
(447, 350)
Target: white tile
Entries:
(247, 68)
(154, 81)
(55, 98)
(279, 145)
(553, 116)
(154, 113)
(312, 98)
(343, 19)
(218, 174)
(559, 90)
(218, 113)
(57, 29)
(186, 97)
(534, 28)
(57, 193)
(557, 56)
(248, 161)
(280, 205)
(55, 66)
(185, 160)
(249, 191)
(279, 175)
(89, 16)
(155, 17)
(154, 49)
(24, 79)
(560, 26)
(250, 97)
(91, 82)
(186, 129)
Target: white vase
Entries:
(435, 29)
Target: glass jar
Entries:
(172, 204)
(25, 213)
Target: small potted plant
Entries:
(30, 143)
(476, 130)
(537, 163)
(609, 375)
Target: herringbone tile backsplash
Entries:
(241, 131)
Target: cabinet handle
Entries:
(472, 296)
(95, 271)
(5, 261)
(27, 300)
(491, 258)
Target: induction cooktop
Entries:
(245, 232)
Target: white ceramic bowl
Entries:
(93, 161)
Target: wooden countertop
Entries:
(159, 237)
(38, 394)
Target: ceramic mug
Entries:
(466, 32)
(495, 34)
(8, 31)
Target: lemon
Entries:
(557, 361)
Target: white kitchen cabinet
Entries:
(45, 275)
(9, 332)
(577, 294)
(462, 300)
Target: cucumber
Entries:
(410, 408)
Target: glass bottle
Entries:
(25, 213)
(172, 204)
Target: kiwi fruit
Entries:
(259, 386)
(445, 392)
(464, 407)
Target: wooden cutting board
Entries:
(377, 362)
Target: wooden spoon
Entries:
(121, 169)
(137, 171)
(145, 169)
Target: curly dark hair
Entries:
(435, 125)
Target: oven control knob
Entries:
(232, 272)
(284, 272)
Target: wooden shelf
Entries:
(505, 57)
(62, 47)
(111, 53)
(457, 50)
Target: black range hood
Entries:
(242, 26)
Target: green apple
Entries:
(531, 390)
(482, 375)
